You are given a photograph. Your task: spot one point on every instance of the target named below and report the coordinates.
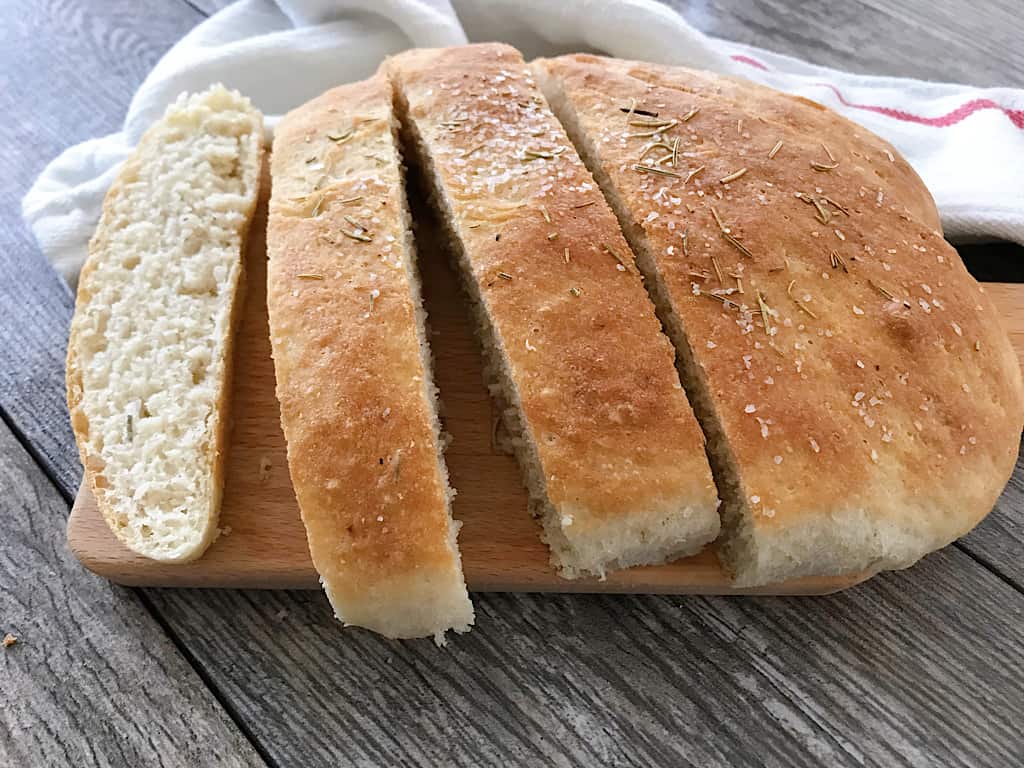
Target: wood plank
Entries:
(893, 672)
(92, 678)
(944, 40)
(266, 543)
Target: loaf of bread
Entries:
(149, 357)
(358, 404)
(612, 455)
(862, 400)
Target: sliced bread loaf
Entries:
(358, 404)
(149, 357)
(612, 455)
(862, 401)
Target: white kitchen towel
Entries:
(966, 143)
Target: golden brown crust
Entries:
(357, 415)
(884, 385)
(595, 376)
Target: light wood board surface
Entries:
(264, 543)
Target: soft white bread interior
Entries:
(612, 455)
(149, 356)
(358, 404)
(862, 401)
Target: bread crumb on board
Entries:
(9, 640)
(264, 471)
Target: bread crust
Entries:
(619, 450)
(878, 416)
(77, 358)
(357, 402)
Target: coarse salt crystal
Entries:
(857, 310)
(711, 344)
(751, 408)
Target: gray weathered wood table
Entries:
(924, 667)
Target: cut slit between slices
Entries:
(735, 544)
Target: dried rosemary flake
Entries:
(977, 346)
(545, 214)
(692, 173)
(341, 138)
(608, 249)
(357, 225)
(566, 255)
(129, 427)
(542, 154)
(718, 270)
(841, 208)
(689, 115)
(654, 123)
(723, 299)
(831, 157)
(310, 276)
(652, 169)
(675, 152)
(739, 126)
(316, 208)
(824, 215)
(824, 166)
(350, 200)
(474, 150)
(765, 316)
(474, 225)
(800, 304)
(686, 247)
(632, 110)
(837, 261)
(311, 159)
(718, 220)
(584, 205)
(363, 238)
(699, 275)
(732, 176)
(739, 282)
(504, 275)
(882, 290)
(775, 150)
(553, 236)
(575, 291)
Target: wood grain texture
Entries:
(895, 672)
(92, 680)
(266, 541)
(944, 40)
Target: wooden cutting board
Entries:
(264, 543)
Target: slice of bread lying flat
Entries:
(149, 357)
(612, 455)
(358, 404)
(862, 401)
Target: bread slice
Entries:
(612, 455)
(358, 404)
(149, 357)
(862, 401)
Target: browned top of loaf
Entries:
(879, 379)
(361, 444)
(595, 374)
